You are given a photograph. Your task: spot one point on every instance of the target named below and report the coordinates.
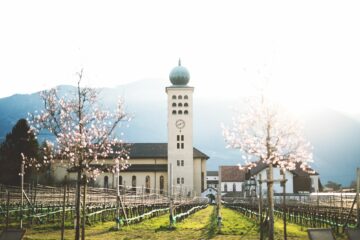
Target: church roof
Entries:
(232, 174)
(298, 171)
(155, 150)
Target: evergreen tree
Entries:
(20, 141)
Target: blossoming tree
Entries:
(84, 134)
(263, 132)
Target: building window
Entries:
(186, 112)
(173, 97)
(178, 180)
(106, 182)
(180, 104)
(180, 139)
(179, 97)
(147, 184)
(182, 163)
(161, 184)
(186, 97)
(120, 181)
(186, 104)
(178, 162)
(225, 187)
(182, 180)
(179, 112)
(234, 187)
(174, 112)
(133, 183)
(174, 104)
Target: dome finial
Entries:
(179, 75)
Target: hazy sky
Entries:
(308, 50)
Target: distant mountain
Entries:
(335, 137)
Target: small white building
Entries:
(297, 181)
(211, 194)
(232, 179)
(212, 179)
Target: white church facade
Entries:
(162, 167)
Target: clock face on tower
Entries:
(180, 124)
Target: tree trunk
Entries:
(271, 201)
(77, 206)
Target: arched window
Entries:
(161, 184)
(106, 182)
(179, 112)
(186, 112)
(147, 184)
(120, 181)
(186, 104)
(234, 187)
(133, 183)
(174, 112)
(174, 104)
(186, 97)
(179, 97)
(225, 187)
(174, 97)
(180, 104)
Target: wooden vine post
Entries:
(218, 213)
(171, 203)
(358, 197)
(63, 210)
(284, 203)
(261, 209)
(22, 195)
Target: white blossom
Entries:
(265, 132)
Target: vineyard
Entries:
(333, 210)
(44, 205)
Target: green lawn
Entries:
(201, 225)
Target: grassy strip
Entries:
(212, 228)
(196, 226)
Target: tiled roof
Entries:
(232, 174)
(155, 150)
(297, 171)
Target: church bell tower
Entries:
(180, 132)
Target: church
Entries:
(174, 166)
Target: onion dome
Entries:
(179, 75)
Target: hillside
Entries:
(335, 136)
